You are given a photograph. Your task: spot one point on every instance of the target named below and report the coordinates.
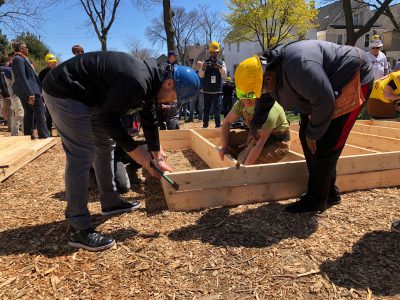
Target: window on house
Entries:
(339, 39)
(238, 47)
(229, 47)
(366, 40)
(356, 19)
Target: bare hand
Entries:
(252, 135)
(217, 66)
(163, 154)
(312, 145)
(31, 100)
(162, 165)
(143, 157)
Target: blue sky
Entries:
(65, 26)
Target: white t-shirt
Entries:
(380, 65)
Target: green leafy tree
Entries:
(269, 22)
(4, 44)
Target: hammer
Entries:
(243, 155)
(169, 180)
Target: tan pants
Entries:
(272, 151)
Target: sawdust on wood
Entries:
(245, 252)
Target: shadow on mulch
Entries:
(254, 228)
(50, 239)
(374, 263)
(194, 159)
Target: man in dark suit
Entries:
(27, 88)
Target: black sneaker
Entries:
(189, 120)
(90, 240)
(306, 204)
(121, 207)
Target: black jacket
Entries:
(311, 75)
(3, 84)
(116, 82)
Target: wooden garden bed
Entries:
(371, 159)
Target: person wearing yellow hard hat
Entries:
(227, 95)
(213, 73)
(273, 142)
(328, 84)
(384, 101)
(51, 61)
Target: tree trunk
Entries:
(352, 35)
(169, 30)
(103, 41)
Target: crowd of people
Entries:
(99, 100)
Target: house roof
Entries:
(332, 15)
(385, 20)
(196, 52)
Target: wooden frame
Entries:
(17, 151)
(371, 159)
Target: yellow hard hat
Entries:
(249, 78)
(228, 79)
(214, 47)
(49, 58)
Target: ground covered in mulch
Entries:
(244, 252)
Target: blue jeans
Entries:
(32, 113)
(200, 106)
(85, 144)
(213, 100)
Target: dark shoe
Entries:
(189, 120)
(396, 226)
(334, 200)
(120, 208)
(306, 204)
(90, 240)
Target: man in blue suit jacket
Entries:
(27, 88)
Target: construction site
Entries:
(223, 234)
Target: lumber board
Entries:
(383, 123)
(229, 196)
(249, 184)
(348, 150)
(12, 141)
(377, 130)
(279, 172)
(208, 151)
(373, 142)
(25, 153)
(175, 139)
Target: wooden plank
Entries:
(175, 144)
(12, 141)
(228, 196)
(295, 146)
(373, 142)
(14, 157)
(208, 152)
(377, 130)
(181, 134)
(32, 150)
(384, 123)
(279, 172)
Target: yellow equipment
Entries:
(249, 78)
(228, 79)
(380, 84)
(214, 47)
(49, 58)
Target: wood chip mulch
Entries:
(245, 252)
